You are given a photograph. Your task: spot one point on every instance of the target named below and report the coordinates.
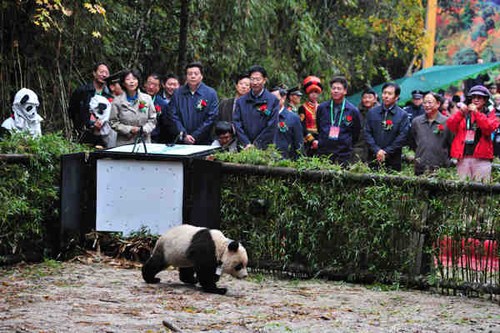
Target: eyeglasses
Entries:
(256, 79)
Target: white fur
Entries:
(176, 241)
(229, 259)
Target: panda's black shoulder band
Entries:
(233, 245)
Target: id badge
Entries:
(469, 136)
(334, 133)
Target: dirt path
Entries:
(104, 297)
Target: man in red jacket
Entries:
(472, 126)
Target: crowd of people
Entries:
(442, 130)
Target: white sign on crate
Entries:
(135, 193)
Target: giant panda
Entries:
(201, 255)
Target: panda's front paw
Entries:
(187, 275)
(221, 291)
(215, 290)
(153, 280)
(189, 280)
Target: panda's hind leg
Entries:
(186, 275)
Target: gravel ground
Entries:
(89, 296)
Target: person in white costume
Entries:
(24, 116)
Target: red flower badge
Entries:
(387, 124)
(282, 126)
(158, 108)
(143, 106)
(348, 120)
(202, 104)
(263, 108)
(439, 129)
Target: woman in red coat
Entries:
(472, 126)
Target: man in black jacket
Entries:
(78, 110)
(227, 105)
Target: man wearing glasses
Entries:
(256, 113)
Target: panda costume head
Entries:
(201, 255)
(100, 107)
(24, 114)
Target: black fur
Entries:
(186, 275)
(201, 252)
(233, 246)
(155, 264)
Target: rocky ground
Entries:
(89, 296)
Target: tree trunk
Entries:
(135, 56)
(183, 34)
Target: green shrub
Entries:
(29, 192)
(350, 221)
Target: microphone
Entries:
(177, 138)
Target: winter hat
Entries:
(479, 90)
(312, 83)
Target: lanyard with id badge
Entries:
(335, 130)
(470, 134)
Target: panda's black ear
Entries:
(24, 99)
(233, 246)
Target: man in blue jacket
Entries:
(256, 114)
(339, 124)
(290, 135)
(194, 107)
(386, 129)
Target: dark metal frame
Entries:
(201, 197)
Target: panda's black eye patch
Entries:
(101, 107)
(238, 267)
(24, 99)
(29, 108)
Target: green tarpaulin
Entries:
(432, 78)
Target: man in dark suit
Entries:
(227, 105)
